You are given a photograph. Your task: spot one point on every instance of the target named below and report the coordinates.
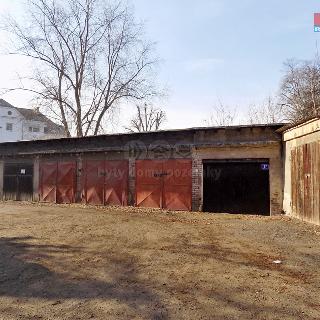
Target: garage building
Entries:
(302, 170)
(235, 169)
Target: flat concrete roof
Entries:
(275, 126)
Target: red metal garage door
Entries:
(177, 187)
(164, 184)
(106, 182)
(66, 182)
(149, 183)
(57, 181)
(116, 182)
(48, 181)
(94, 182)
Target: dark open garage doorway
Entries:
(240, 186)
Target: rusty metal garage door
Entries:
(149, 183)
(48, 181)
(57, 181)
(164, 184)
(106, 182)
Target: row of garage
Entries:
(258, 169)
(163, 184)
(220, 169)
(160, 184)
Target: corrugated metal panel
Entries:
(305, 182)
(164, 184)
(106, 182)
(57, 181)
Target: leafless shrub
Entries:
(267, 112)
(221, 115)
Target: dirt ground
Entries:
(61, 262)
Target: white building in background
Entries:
(18, 124)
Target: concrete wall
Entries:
(265, 151)
(294, 137)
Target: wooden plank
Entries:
(307, 185)
(316, 183)
(294, 182)
(305, 182)
(300, 185)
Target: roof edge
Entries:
(297, 125)
(234, 127)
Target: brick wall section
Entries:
(197, 169)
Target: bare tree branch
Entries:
(270, 111)
(90, 56)
(300, 89)
(222, 115)
(147, 118)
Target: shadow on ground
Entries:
(21, 277)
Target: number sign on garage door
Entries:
(57, 181)
(106, 182)
(164, 184)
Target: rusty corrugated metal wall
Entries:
(305, 180)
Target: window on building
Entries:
(45, 130)
(34, 129)
(9, 126)
(9, 113)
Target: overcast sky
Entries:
(227, 50)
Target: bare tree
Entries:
(222, 115)
(89, 56)
(147, 118)
(300, 89)
(269, 111)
